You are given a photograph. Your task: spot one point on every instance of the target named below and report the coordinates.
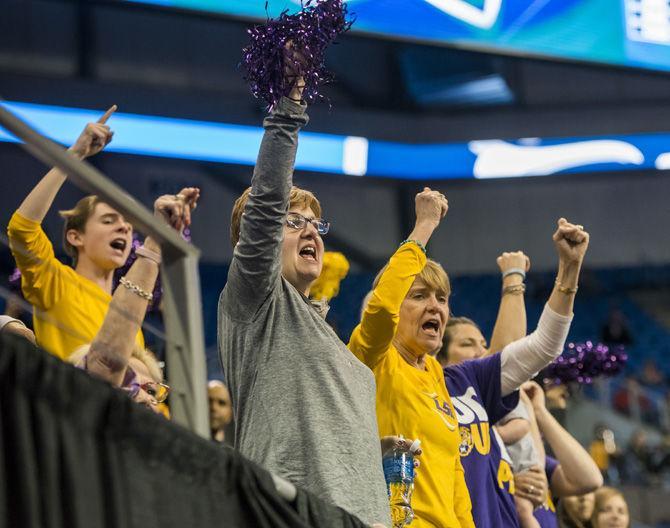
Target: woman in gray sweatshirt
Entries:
(304, 405)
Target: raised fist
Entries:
(571, 242)
(512, 260)
(95, 137)
(431, 206)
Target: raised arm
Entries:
(571, 243)
(256, 265)
(92, 140)
(373, 336)
(511, 322)
(112, 346)
(43, 275)
(577, 473)
(522, 359)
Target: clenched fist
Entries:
(571, 242)
(431, 206)
(513, 260)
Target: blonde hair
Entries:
(432, 275)
(76, 219)
(297, 198)
(602, 495)
(142, 354)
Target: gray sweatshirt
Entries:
(304, 405)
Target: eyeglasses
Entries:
(158, 392)
(297, 221)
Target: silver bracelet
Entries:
(514, 271)
(136, 289)
(147, 253)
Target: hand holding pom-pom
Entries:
(291, 49)
(294, 82)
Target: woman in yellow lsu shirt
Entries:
(70, 303)
(402, 324)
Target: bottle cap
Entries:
(415, 446)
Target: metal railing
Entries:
(182, 306)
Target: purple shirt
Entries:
(546, 514)
(474, 387)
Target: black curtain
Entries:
(78, 453)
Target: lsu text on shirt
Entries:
(475, 390)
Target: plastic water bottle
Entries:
(399, 474)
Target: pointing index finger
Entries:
(107, 114)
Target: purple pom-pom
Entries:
(266, 59)
(582, 362)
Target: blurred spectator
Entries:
(651, 376)
(636, 460)
(660, 460)
(603, 451)
(576, 511)
(631, 401)
(610, 509)
(557, 395)
(220, 410)
(615, 330)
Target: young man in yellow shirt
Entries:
(70, 303)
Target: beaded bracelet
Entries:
(407, 241)
(516, 289)
(565, 289)
(136, 289)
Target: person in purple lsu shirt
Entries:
(484, 389)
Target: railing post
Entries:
(185, 357)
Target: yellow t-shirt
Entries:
(68, 308)
(412, 402)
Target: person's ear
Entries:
(74, 238)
